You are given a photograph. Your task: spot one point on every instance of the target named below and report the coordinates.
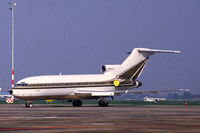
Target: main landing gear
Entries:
(156, 101)
(28, 105)
(103, 103)
(77, 103)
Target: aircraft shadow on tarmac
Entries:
(84, 106)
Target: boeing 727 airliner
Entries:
(115, 80)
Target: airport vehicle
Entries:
(155, 100)
(115, 80)
(7, 97)
(3, 96)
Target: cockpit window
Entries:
(22, 84)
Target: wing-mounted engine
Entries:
(109, 68)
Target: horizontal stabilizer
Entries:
(153, 51)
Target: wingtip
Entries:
(177, 52)
(185, 90)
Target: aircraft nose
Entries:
(11, 91)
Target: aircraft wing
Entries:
(151, 91)
(115, 93)
(94, 93)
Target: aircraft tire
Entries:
(28, 105)
(103, 103)
(77, 103)
(156, 101)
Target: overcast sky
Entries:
(79, 36)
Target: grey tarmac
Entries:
(61, 118)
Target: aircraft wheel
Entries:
(28, 105)
(103, 103)
(77, 103)
(156, 101)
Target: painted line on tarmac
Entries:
(23, 117)
(57, 127)
(171, 126)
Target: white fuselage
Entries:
(64, 86)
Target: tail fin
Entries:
(132, 67)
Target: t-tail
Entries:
(133, 65)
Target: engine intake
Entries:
(108, 68)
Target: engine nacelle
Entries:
(137, 84)
(134, 83)
(108, 68)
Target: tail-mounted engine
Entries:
(137, 84)
(124, 82)
(108, 68)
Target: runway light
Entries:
(185, 103)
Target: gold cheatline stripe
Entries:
(63, 85)
(131, 72)
(54, 87)
(139, 70)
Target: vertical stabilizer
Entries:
(132, 67)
